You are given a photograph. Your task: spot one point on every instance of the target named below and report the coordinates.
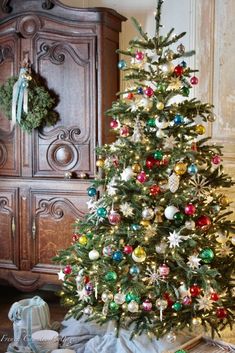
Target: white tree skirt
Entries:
(89, 337)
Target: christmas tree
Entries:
(155, 252)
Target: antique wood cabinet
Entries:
(74, 51)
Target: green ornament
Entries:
(101, 212)
(111, 276)
(185, 91)
(89, 235)
(177, 306)
(178, 217)
(114, 306)
(161, 87)
(207, 255)
(180, 351)
(158, 155)
(131, 296)
(151, 122)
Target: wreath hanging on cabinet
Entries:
(25, 100)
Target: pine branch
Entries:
(139, 28)
(158, 17)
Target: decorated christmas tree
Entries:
(155, 252)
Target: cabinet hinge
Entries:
(13, 226)
(34, 230)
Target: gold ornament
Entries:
(145, 223)
(211, 117)
(100, 163)
(136, 168)
(180, 168)
(224, 201)
(196, 321)
(82, 240)
(200, 129)
(169, 55)
(139, 251)
(160, 106)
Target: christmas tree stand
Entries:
(89, 337)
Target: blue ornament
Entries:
(140, 90)
(183, 64)
(122, 64)
(178, 119)
(101, 212)
(134, 270)
(117, 256)
(135, 227)
(91, 191)
(89, 288)
(192, 169)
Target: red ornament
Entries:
(142, 177)
(148, 91)
(194, 146)
(86, 279)
(139, 55)
(221, 313)
(189, 209)
(194, 80)
(164, 270)
(179, 70)
(124, 131)
(164, 162)
(75, 237)
(67, 269)
(147, 305)
(127, 249)
(150, 162)
(114, 218)
(195, 290)
(214, 296)
(114, 124)
(154, 190)
(203, 222)
(157, 162)
(130, 95)
(168, 298)
(216, 159)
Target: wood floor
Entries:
(9, 295)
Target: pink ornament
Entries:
(187, 300)
(67, 269)
(189, 209)
(139, 55)
(142, 177)
(127, 249)
(147, 305)
(216, 159)
(148, 91)
(194, 80)
(114, 218)
(164, 270)
(114, 124)
(125, 131)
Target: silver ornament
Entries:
(133, 307)
(147, 213)
(167, 68)
(171, 337)
(211, 118)
(161, 304)
(88, 310)
(119, 298)
(93, 255)
(107, 296)
(181, 49)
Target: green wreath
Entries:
(41, 103)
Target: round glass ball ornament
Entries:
(192, 169)
(119, 298)
(150, 162)
(122, 64)
(93, 255)
(161, 304)
(139, 55)
(164, 270)
(187, 300)
(207, 255)
(142, 177)
(111, 276)
(114, 218)
(139, 254)
(127, 249)
(167, 68)
(171, 337)
(108, 250)
(196, 321)
(124, 131)
(177, 306)
(160, 106)
(83, 240)
(154, 190)
(91, 191)
(203, 222)
(195, 290)
(180, 168)
(135, 227)
(101, 212)
(179, 70)
(113, 306)
(170, 211)
(89, 288)
(200, 129)
(194, 80)
(67, 270)
(133, 307)
(215, 296)
(114, 124)
(88, 310)
(147, 305)
(149, 92)
(216, 159)
(221, 313)
(178, 218)
(190, 209)
(148, 213)
(134, 270)
(107, 296)
(117, 256)
(178, 119)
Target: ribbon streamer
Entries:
(20, 96)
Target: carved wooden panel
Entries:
(53, 214)
(9, 237)
(9, 153)
(68, 65)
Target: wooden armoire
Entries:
(74, 51)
